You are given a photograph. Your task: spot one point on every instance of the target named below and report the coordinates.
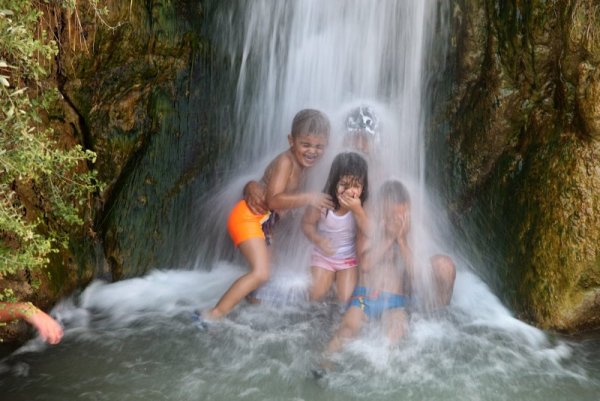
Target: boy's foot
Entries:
(200, 322)
(252, 299)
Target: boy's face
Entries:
(350, 186)
(397, 215)
(307, 148)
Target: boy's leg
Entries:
(256, 253)
(345, 281)
(321, 282)
(444, 274)
(352, 322)
(395, 324)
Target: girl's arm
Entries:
(309, 227)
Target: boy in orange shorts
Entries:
(282, 180)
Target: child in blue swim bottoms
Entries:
(386, 269)
(373, 303)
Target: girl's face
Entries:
(349, 185)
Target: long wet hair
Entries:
(347, 164)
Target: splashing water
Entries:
(134, 340)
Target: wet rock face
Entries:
(142, 97)
(588, 99)
(523, 167)
(134, 88)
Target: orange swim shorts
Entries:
(243, 224)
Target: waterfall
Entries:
(333, 56)
(330, 55)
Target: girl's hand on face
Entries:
(350, 201)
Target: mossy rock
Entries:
(523, 172)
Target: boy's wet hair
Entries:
(310, 122)
(347, 164)
(393, 192)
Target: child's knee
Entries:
(443, 267)
(346, 332)
(260, 276)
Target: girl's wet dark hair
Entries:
(347, 164)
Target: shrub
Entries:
(44, 185)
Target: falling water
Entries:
(333, 56)
(133, 339)
(329, 55)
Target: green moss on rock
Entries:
(524, 181)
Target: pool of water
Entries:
(134, 340)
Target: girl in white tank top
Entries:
(334, 232)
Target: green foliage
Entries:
(44, 185)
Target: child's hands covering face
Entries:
(348, 191)
(397, 221)
(350, 200)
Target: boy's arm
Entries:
(309, 227)
(372, 253)
(402, 241)
(255, 197)
(279, 199)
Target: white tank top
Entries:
(341, 232)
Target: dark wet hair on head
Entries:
(347, 164)
(310, 122)
(392, 192)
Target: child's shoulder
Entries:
(282, 161)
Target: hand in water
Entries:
(49, 329)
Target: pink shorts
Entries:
(332, 264)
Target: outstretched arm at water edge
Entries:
(48, 328)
